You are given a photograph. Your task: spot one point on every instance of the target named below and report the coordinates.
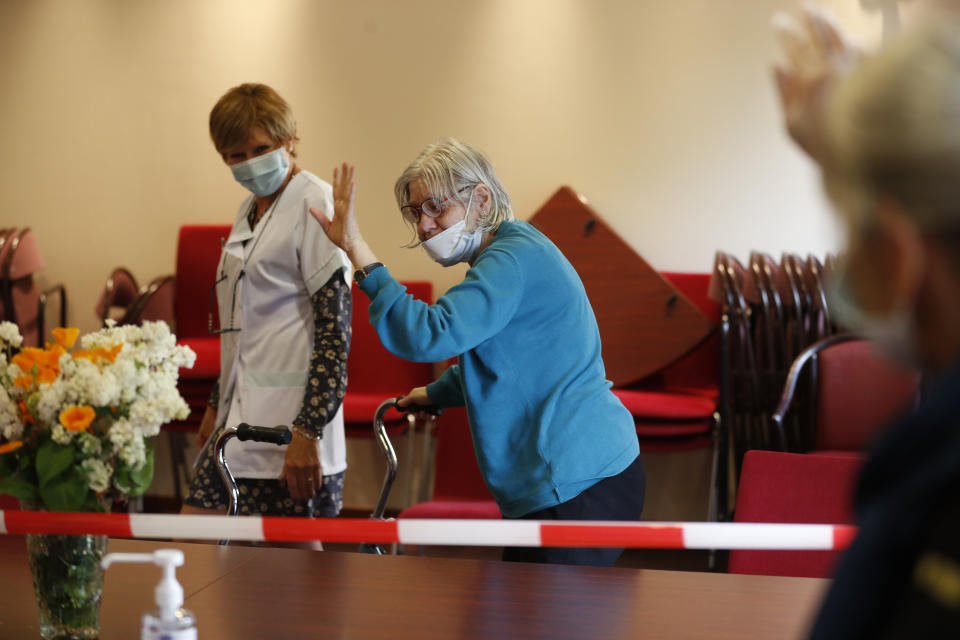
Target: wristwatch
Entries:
(361, 274)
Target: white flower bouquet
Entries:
(75, 427)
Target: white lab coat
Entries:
(264, 366)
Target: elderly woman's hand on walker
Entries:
(342, 227)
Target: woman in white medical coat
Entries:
(284, 308)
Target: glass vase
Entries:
(68, 584)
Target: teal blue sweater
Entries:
(545, 424)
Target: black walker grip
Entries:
(432, 409)
(274, 435)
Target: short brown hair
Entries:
(247, 106)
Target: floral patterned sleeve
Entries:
(327, 379)
(214, 400)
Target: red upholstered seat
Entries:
(454, 509)
(459, 490)
(374, 373)
(655, 405)
(794, 488)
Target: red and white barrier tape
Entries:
(481, 533)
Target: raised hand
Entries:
(341, 227)
(817, 54)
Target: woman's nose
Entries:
(426, 224)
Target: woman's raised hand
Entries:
(342, 227)
(817, 53)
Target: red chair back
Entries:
(858, 393)
(198, 253)
(793, 488)
(375, 374)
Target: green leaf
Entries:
(141, 478)
(66, 492)
(121, 478)
(52, 460)
(18, 489)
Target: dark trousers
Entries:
(618, 497)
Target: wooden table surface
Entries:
(243, 592)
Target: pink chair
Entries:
(793, 488)
(22, 301)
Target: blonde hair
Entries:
(893, 129)
(246, 106)
(446, 167)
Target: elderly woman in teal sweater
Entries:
(552, 441)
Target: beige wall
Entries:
(661, 113)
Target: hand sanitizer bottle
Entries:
(170, 621)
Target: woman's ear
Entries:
(481, 195)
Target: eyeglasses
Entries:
(233, 303)
(411, 212)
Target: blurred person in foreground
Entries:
(885, 130)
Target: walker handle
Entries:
(432, 409)
(276, 435)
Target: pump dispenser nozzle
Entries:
(168, 594)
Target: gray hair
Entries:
(893, 129)
(446, 167)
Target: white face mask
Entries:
(264, 174)
(893, 332)
(454, 244)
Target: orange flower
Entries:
(25, 414)
(65, 336)
(77, 418)
(43, 364)
(86, 355)
(23, 382)
(13, 445)
(27, 359)
(110, 355)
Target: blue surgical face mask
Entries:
(454, 244)
(263, 175)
